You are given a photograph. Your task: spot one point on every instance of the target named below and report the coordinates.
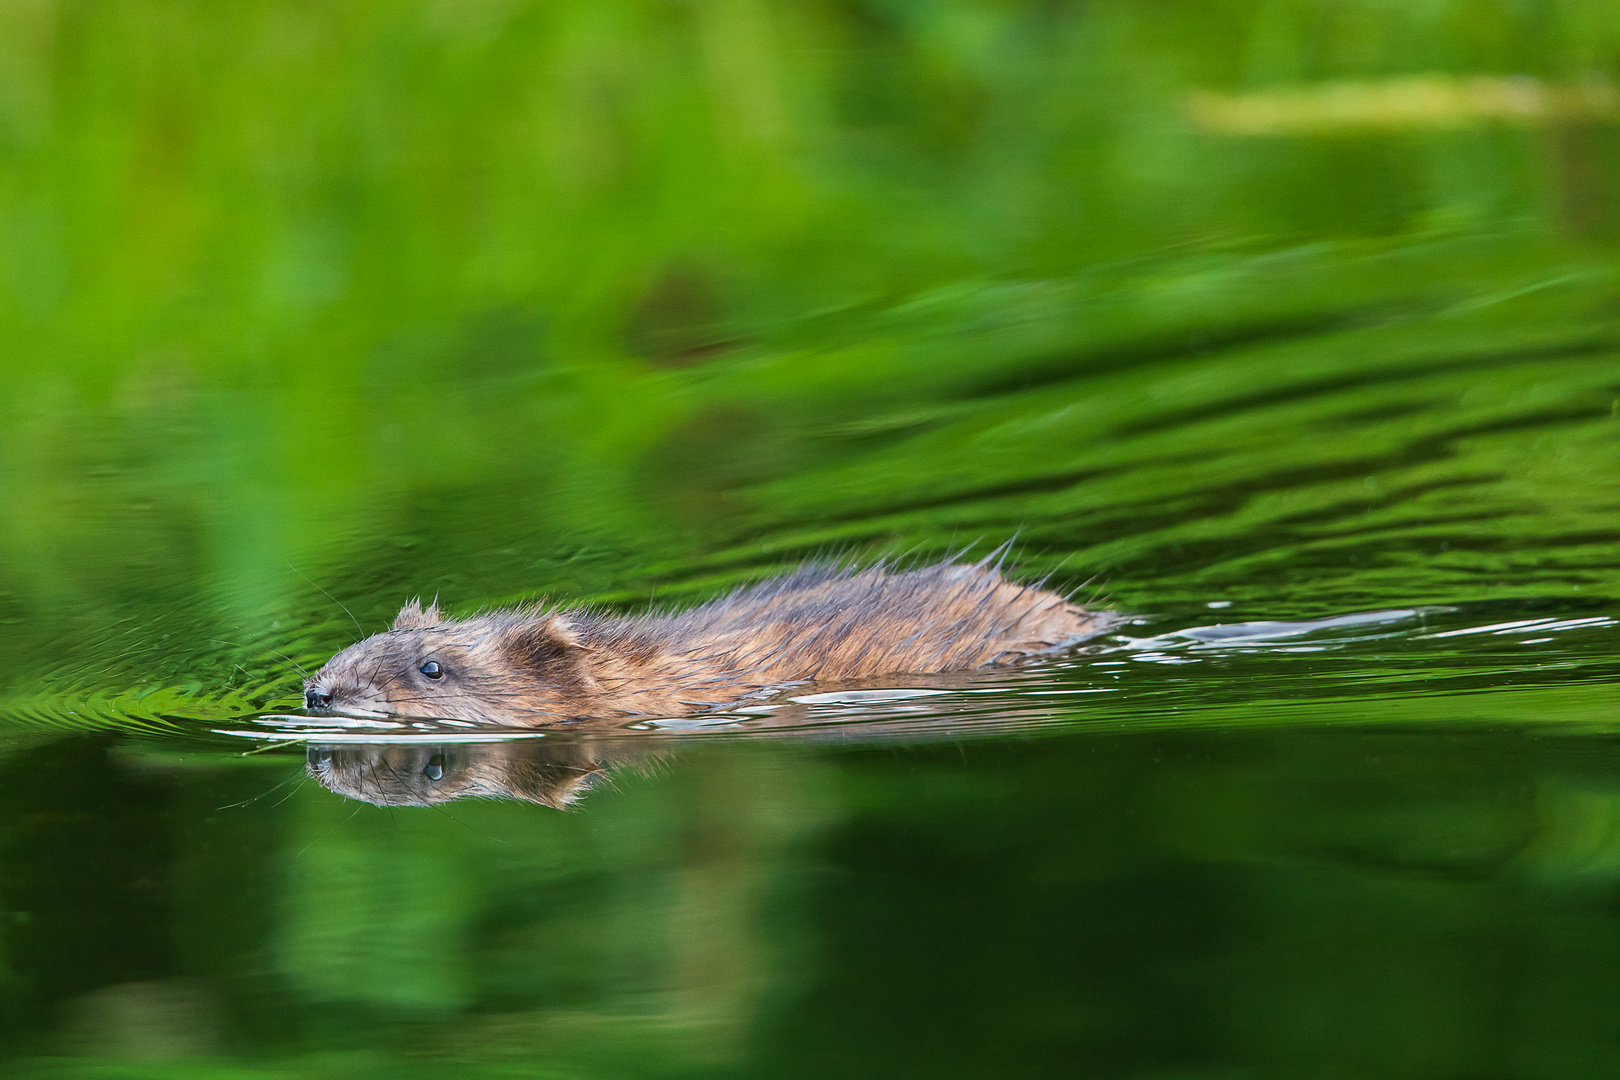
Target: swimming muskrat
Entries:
(533, 666)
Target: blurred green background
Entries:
(491, 298)
(1300, 306)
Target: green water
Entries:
(308, 310)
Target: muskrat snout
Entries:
(315, 699)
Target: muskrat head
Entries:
(523, 667)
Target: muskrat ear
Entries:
(549, 646)
(413, 617)
(546, 640)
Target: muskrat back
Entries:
(532, 666)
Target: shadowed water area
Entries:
(1288, 332)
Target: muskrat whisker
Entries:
(278, 652)
(328, 832)
(302, 780)
(480, 832)
(386, 803)
(249, 802)
(330, 597)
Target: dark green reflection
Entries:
(1334, 902)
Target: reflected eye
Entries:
(432, 670)
(435, 767)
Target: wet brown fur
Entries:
(532, 666)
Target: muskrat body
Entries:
(533, 666)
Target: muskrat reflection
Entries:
(549, 772)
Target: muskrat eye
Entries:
(432, 670)
(435, 767)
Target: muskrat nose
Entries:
(315, 699)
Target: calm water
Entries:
(1289, 331)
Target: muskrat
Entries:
(533, 666)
